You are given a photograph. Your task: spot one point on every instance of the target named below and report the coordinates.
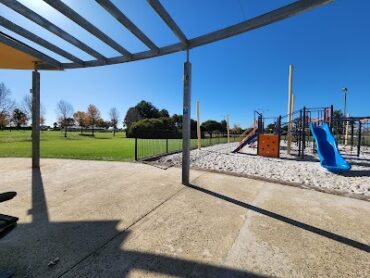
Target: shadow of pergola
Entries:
(78, 246)
(94, 248)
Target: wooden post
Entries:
(346, 136)
(199, 134)
(35, 119)
(228, 127)
(290, 116)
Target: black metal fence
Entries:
(149, 148)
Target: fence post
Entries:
(135, 148)
(166, 145)
(299, 133)
(359, 139)
(352, 130)
(304, 131)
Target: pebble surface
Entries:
(291, 169)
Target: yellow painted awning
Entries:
(11, 58)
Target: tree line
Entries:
(144, 120)
(91, 118)
(16, 114)
(19, 115)
(147, 121)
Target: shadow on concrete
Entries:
(39, 209)
(295, 223)
(77, 249)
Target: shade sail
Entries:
(11, 58)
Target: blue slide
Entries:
(330, 157)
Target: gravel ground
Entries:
(287, 169)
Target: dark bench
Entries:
(7, 222)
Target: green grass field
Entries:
(101, 147)
(53, 145)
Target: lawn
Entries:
(104, 146)
(54, 145)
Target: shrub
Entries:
(153, 128)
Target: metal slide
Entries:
(250, 138)
(330, 157)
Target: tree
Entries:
(338, 124)
(6, 105)
(19, 118)
(42, 120)
(153, 128)
(101, 123)
(147, 110)
(131, 117)
(80, 118)
(177, 120)
(143, 110)
(114, 117)
(27, 108)
(4, 120)
(236, 129)
(93, 114)
(223, 125)
(164, 113)
(211, 126)
(27, 105)
(64, 111)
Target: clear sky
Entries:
(329, 47)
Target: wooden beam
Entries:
(161, 11)
(257, 22)
(36, 39)
(125, 21)
(36, 18)
(4, 38)
(74, 16)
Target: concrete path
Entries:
(114, 219)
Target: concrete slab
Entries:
(113, 219)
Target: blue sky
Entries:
(328, 46)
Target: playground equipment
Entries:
(249, 137)
(297, 127)
(268, 145)
(330, 157)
